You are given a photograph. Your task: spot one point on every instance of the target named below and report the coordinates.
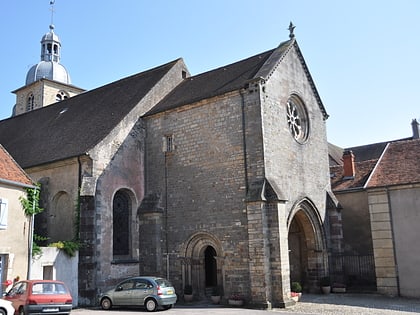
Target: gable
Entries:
(232, 77)
(10, 171)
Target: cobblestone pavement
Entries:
(352, 304)
(332, 304)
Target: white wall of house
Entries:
(55, 264)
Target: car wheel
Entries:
(151, 305)
(167, 307)
(106, 304)
(21, 311)
(2, 312)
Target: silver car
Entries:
(150, 292)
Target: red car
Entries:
(39, 297)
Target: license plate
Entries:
(169, 292)
(50, 309)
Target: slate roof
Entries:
(11, 171)
(72, 127)
(212, 83)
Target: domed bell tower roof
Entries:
(49, 67)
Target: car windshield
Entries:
(48, 288)
(163, 283)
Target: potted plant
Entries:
(188, 293)
(325, 285)
(216, 293)
(338, 288)
(236, 300)
(296, 289)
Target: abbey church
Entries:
(217, 179)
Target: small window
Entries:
(31, 103)
(3, 214)
(168, 143)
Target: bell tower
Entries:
(48, 81)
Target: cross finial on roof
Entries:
(291, 29)
(52, 2)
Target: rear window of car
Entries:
(48, 288)
(163, 283)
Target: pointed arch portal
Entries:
(307, 245)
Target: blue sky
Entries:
(363, 55)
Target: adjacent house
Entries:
(378, 186)
(15, 226)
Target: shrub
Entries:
(296, 287)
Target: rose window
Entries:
(297, 119)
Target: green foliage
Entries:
(30, 204)
(325, 282)
(296, 287)
(36, 249)
(216, 291)
(188, 289)
(69, 247)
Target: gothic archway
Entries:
(203, 265)
(307, 245)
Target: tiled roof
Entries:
(399, 165)
(362, 171)
(10, 170)
(72, 127)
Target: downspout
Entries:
(166, 217)
(242, 92)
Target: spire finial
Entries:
(52, 2)
(291, 29)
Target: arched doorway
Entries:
(203, 265)
(307, 245)
(210, 267)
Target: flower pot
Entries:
(338, 290)
(326, 289)
(215, 299)
(188, 297)
(236, 302)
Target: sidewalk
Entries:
(353, 304)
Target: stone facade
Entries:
(234, 181)
(45, 92)
(227, 189)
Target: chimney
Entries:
(348, 164)
(415, 126)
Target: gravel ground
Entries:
(352, 304)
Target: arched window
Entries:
(121, 210)
(30, 103)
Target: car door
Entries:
(17, 294)
(122, 293)
(142, 289)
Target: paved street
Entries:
(342, 304)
